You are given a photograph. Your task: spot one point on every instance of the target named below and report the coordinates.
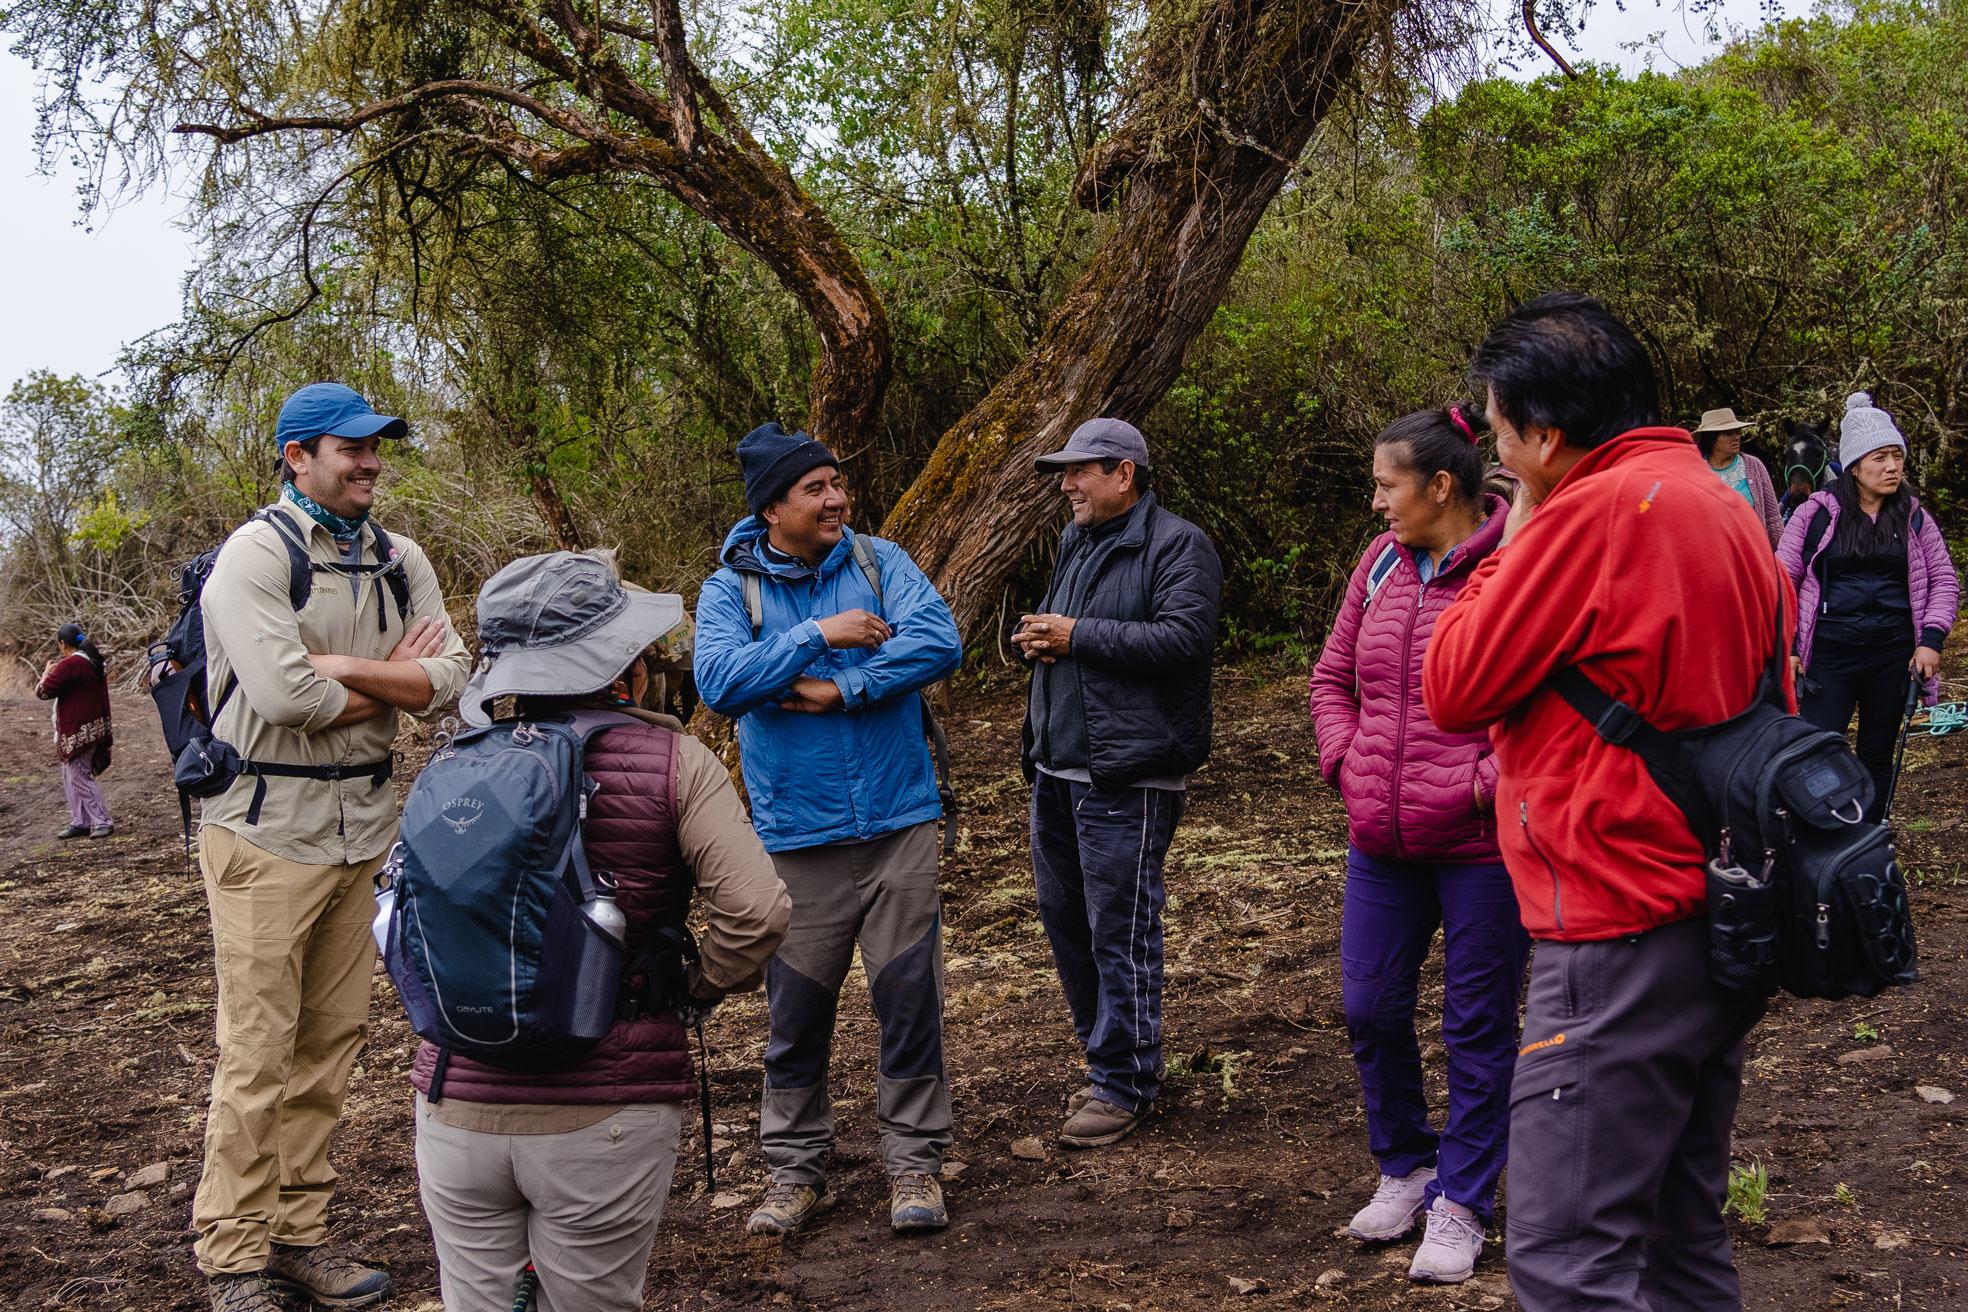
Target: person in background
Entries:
(74, 681)
(1117, 719)
(1625, 558)
(1422, 853)
(569, 1168)
(1876, 591)
(1719, 436)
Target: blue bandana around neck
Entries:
(343, 530)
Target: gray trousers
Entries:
(1621, 1108)
(581, 1206)
(881, 893)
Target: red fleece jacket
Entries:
(1655, 578)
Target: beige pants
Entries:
(295, 964)
(582, 1206)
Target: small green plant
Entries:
(1749, 1190)
(1841, 1193)
(1865, 1031)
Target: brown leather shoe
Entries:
(1098, 1123)
(330, 1279)
(248, 1292)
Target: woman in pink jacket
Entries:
(1423, 851)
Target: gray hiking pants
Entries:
(881, 893)
(1621, 1108)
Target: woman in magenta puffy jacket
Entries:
(1423, 851)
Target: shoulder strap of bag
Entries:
(1814, 534)
(1382, 570)
(864, 556)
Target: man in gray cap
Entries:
(569, 1168)
(1119, 716)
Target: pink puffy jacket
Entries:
(1409, 787)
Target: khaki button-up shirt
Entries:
(281, 710)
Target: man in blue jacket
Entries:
(1119, 717)
(817, 643)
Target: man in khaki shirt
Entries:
(309, 699)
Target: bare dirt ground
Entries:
(1250, 1167)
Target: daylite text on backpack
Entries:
(1803, 892)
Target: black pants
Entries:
(1871, 678)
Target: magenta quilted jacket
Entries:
(1409, 787)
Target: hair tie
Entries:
(1462, 425)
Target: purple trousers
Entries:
(1392, 911)
(86, 806)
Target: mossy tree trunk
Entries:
(1225, 101)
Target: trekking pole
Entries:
(529, 1280)
(1899, 757)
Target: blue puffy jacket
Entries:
(840, 776)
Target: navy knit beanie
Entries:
(773, 461)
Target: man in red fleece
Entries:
(1625, 557)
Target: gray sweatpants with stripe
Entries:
(881, 894)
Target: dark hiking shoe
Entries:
(74, 831)
(328, 1278)
(1098, 1123)
(915, 1205)
(1395, 1204)
(250, 1292)
(102, 831)
(787, 1207)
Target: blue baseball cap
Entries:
(333, 410)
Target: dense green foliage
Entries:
(1784, 224)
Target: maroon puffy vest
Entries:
(631, 834)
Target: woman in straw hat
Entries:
(1719, 435)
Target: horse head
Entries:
(1807, 457)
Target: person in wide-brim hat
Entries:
(1719, 435)
(561, 625)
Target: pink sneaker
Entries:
(1449, 1247)
(1392, 1210)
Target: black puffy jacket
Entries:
(1144, 605)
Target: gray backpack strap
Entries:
(864, 556)
(754, 601)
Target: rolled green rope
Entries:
(529, 1281)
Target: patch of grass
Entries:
(1749, 1191)
(1841, 1193)
(1865, 1031)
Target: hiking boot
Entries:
(787, 1207)
(248, 1292)
(1080, 1097)
(1396, 1203)
(328, 1278)
(74, 831)
(1098, 1123)
(102, 831)
(915, 1205)
(1450, 1245)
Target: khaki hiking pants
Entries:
(295, 963)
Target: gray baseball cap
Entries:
(1098, 439)
(560, 625)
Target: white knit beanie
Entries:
(1865, 430)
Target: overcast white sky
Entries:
(74, 295)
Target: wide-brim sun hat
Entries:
(560, 625)
(1721, 421)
